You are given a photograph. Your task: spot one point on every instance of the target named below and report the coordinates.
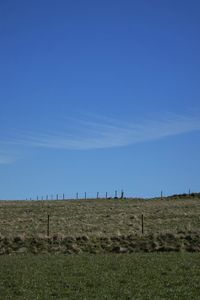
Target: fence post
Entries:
(48, 226)
(115, 194)
(57, 196)
(122, 194)
(76, 196)
(97, 195)
(46, 197)
(142, 224)
(85, 195)
(63, 196)
(189, 192)
(106, 195)
(161, 194)
(42, 197)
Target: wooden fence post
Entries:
(48, 226)
(142, 224)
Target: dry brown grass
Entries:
(99, 217)
(98, 220)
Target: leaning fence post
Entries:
(48, 226)
(142, 224)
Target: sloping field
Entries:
(170, 224)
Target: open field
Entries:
(131, 276)
(99, 217)
(107, 235)
(170, 224)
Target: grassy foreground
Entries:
(116, 276)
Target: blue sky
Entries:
(99, 96)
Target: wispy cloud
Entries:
(102, 132)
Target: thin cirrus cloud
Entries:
(101, 132)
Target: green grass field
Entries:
(130, 276)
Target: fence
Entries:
(80, 196)
(101, 195)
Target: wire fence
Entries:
(80, 196)
(117, 194)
